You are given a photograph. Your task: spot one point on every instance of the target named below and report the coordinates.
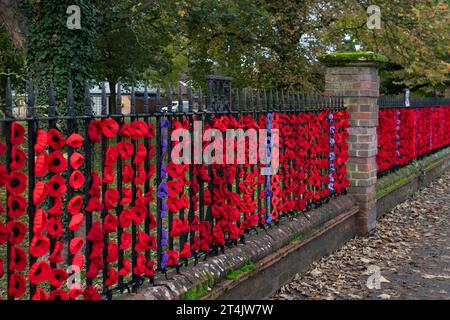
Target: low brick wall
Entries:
(278, 253)
(398, 186)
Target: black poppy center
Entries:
(38, 271)
(38, 243)
(56, 161)
(17, 157)
(15, 231)
(55, 227)
(17, 284)
(15, 182)
(16, 133)
(58, 276)
(17, 258)
(56, 185)
(55, 138)
(15, 205)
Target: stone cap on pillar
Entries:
(360, 58)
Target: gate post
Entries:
(355, 77)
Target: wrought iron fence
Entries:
(410, 128)
(101, 207)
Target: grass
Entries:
(234, 274)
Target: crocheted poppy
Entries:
(94, 131)
(40, 192)
(125, 240)
(41, 165)
(175, 170)
(108, 175)
(40, 221)
(54, 227)
(41, 141)
(17, 133)
(56, 162)
(141, 176)
(125, 149)
(57, 277)
(140, 267)
(56, 209)
(96, 233)
(112, 252)
(76, 180)
(125, 218)
(111, 156)
(55, 139)
(75, 141)
(16, 231)
(126, 267)
(58, 294)
(56, 255)
(56, 186)
(95, 185)
(112, 277)
(18, 260)
(186, 252)
(17, 182)
(139, 129)
(17, 286)
(94, 205)
(110, 223)
(141, 154)
(90, 293)
(78, 261)
(126, 131)
(18, 158)
(39, 272)
(151, 130)
(111, 198)
(76, 221)
(3, 233)
(39, 246)
(16, 206)
(39, 294)
(145, 242)
(75, 204)
(126, 196)
(2, 269)
(172, 258)
(127, 174)
(75, 245)
(3, 175)
(76, 160)
(139, 214)
(109, 127)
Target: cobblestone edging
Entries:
(209, 274)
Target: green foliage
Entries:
(195, 292)
(234, 274)
(56, 53)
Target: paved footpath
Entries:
(406, 257)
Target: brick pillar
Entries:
(355, 76)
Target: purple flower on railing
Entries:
(163, 171)
(163, 237)
(332, 156)
(164, 124)
(268, 193)
(162, 190)
(164, 260)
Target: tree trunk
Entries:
(15, 23)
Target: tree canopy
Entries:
(266, 43)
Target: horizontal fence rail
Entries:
(409, 129)
(95, 205)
